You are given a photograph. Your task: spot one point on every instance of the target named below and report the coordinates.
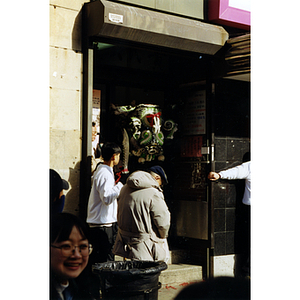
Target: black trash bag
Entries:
(125, 279)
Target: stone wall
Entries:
(65, 95)
(188, 8)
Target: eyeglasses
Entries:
(68, 250)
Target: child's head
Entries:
(108, 150)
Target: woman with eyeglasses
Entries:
(69, 255)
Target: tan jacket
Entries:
(143, 219)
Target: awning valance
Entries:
(238, 55)
(114, 20)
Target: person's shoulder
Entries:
(141, 180)
(157, 192)
(102, 171)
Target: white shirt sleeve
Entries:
(239, 172)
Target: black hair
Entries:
(56, 185)
(62, 225)
(109, 149)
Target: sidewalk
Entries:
(169, 292)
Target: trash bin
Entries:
(136, 280)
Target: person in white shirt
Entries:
(102, 205)
(242, 258)
(242, 171)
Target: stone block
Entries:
(220, 243)
(220, 149)
(219, 194)
(219, 215)
(236, 148)
(230, 219)
(65, 150)
(65, 69)
(224, 265)
(72, 196)
(65, 109)
(69, 4)
(229, 242)
(190, 8)
(65, 156)
(179, 273)
(65, 28)
(146, 3)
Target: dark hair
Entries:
(109, 149)
(57, 184)
(62, 224)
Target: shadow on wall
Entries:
(77, 33)
(72, 197)
(72, 202)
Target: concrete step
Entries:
(181, 273)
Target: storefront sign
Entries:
(96, 107)
(234, 13)
(195, 114)
(115, 18)
(191, 146)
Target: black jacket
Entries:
(78, 292)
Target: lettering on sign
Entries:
(115, 18)
(195, 114)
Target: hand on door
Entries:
(213, 176)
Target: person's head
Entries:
(159, 175)
(111, 152)
(69, 246)
(94, 131)
(57, 185)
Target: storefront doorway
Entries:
(169, 84)
(177, 84)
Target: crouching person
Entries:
(143, 217)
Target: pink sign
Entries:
(229, 13)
